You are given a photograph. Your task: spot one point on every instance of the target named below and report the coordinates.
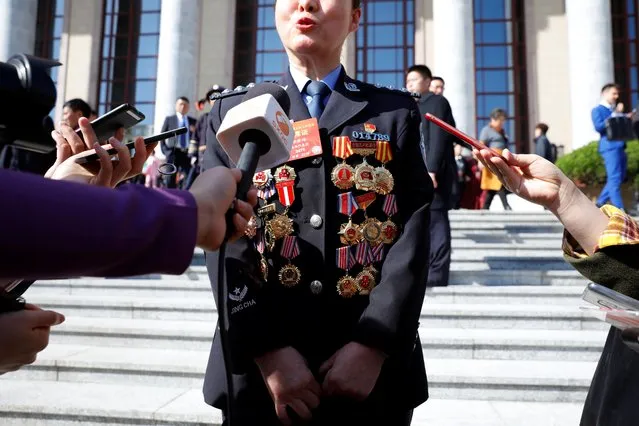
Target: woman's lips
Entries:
(305, 24)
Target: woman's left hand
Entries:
(105, 172)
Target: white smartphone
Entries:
(604, 297)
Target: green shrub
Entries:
(585, 165)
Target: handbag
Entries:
(619, 128)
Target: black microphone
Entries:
(257, 132)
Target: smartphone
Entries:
(604, 297)
(461, 135)
(91, 156)
(105, 126)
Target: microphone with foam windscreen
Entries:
(257, 133)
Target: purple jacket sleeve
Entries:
(52, 229)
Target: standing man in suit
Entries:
(612, 152)
(440, 159)
(326, 291)
(175, 149)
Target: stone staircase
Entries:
(506, 344)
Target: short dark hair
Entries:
(498, 113)
(357, 4)
(183, 98)
(78, 104)
(423, 70)
(543, 127)
(438, 78)
(610, 86)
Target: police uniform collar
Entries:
(343, 104)
(302, 80)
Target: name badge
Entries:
(307, 142)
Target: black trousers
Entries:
(183, 165)
(439, 268)
(491, 194)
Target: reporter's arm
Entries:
(129, 231)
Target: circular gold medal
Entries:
(365, 177)
(384, 181)
(347, 287)
(389, 232)
(264, 268)
(251, 228)
(269, 238)
(290, 275)
(365, 282)
(281, 226)
(342, 176)
(349, 233)
(372, 231)
(262, 179)
(285, 173)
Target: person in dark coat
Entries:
(176, 149)
(543, 148)
(325, 294)
(603, 245)
(442, 168)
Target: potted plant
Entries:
(586, 168)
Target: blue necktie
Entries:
(183, 137)
(318, 91)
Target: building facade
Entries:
(540, 60)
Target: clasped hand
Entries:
(351, 372)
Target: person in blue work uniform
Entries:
(325, 293)
(612, 152)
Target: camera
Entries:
(27, 95)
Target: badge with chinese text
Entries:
(307, 142)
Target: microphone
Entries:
(257, 132)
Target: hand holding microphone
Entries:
(214, 192)
(257, 134)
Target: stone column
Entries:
(178, 56)
(454, 58)
(17, 27)
(424, 33)
(591, 62)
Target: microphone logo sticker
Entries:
(282, 123)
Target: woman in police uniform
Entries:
(326, 292)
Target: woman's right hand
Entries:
(530, 176)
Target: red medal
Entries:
(286, 192)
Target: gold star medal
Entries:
(290, 274)
(342, 175)
(346, 205)
(347, 285)
(365, 177)
(384, 181)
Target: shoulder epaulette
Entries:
(239, 90)
(391, 89)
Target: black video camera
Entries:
(27, 96)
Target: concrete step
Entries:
(468, 294)
(509, 380)
(183, 288)
(446, 315)
(565, 340)
(495, 272)
(58, 403)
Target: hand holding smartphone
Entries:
(461, 135)
(91, 156)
